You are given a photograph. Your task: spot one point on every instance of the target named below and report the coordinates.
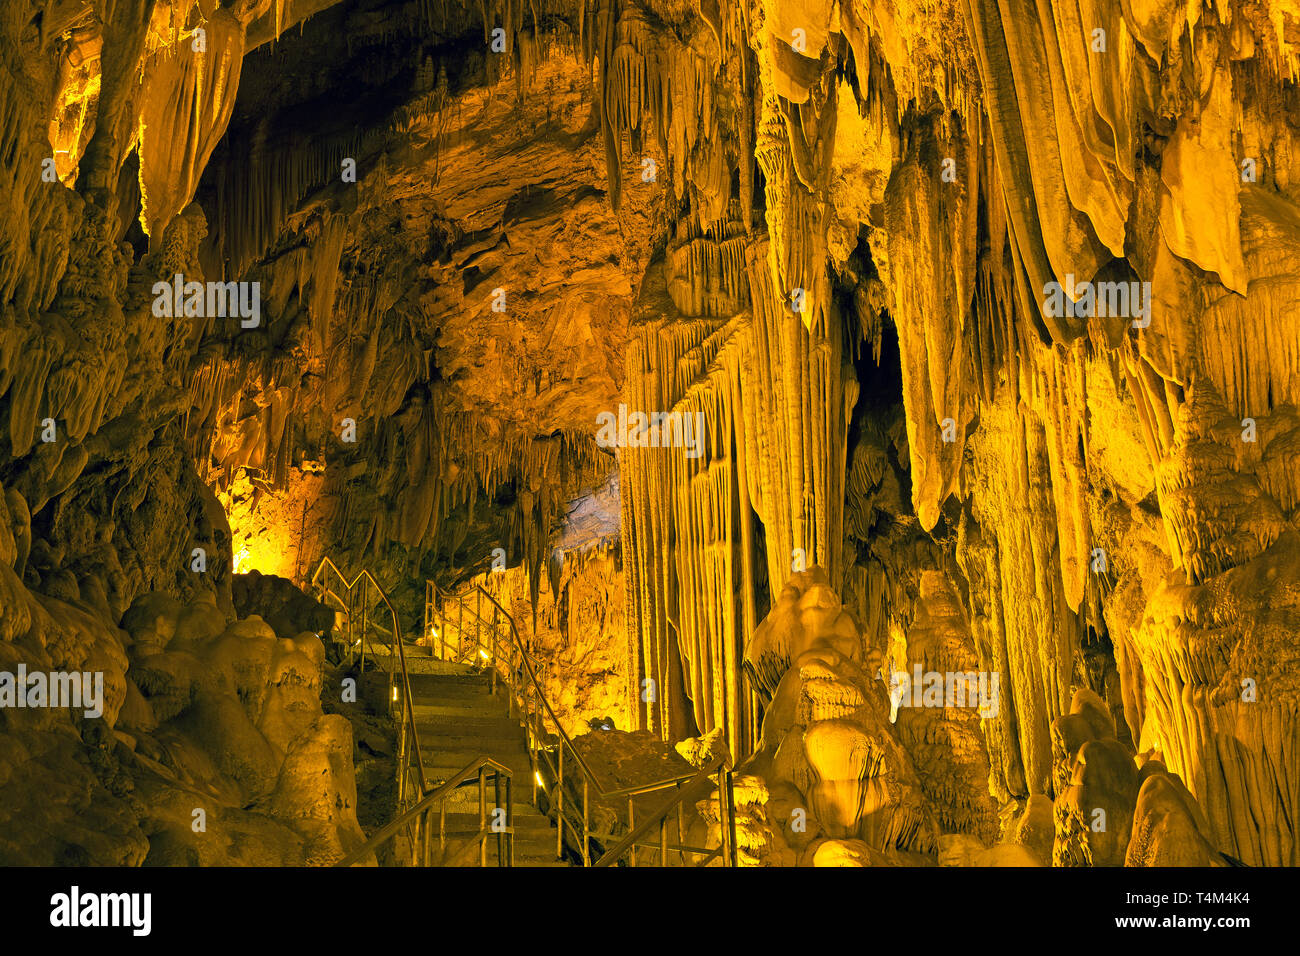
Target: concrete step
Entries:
(540, 844)
(466, 797)
(492, 746)
(528, 854)
(529, 859)
(484, 706)
(466, 802)
(417, 665)
(521, 775)
(444, 769)
(530, 863)
(448, 726)
(460, 674)
(376, 651)
(509, 753)
(528, 821)
(525, 854)
(469, 808)
(457, 690)
(445, 763)
(516, 759)
(452, 693)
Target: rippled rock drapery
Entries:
(1011, 146)
(211, 747)
(774, 400)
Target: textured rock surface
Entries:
(833, 783)
(212, 748)
(829, 233)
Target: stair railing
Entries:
(529, 701)
(419, 819)
(696, 788)
(355, 601)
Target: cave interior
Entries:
(874, 424)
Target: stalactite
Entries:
(761, 382)
(25, 397)
(706, 276)
(930, 237)
(190, 101)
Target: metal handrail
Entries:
(695, 788)
(535, 726)
(527, 659)
(419, 816)
(462, 654)
(408, 709)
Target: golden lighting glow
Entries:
(484, 655)
(537, 775)
(394, 694)
(265, 536)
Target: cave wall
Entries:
(1106, 484)
(577, 638)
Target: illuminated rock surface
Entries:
(986, 312)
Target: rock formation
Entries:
(948, 338)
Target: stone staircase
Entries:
(459, 719)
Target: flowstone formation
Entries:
(209, 746)
(843, 775)
(830, 784)
(1073, 223)
(235, 762)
